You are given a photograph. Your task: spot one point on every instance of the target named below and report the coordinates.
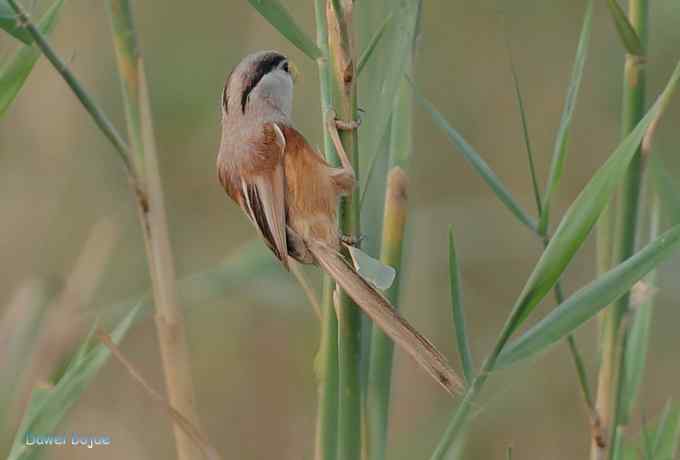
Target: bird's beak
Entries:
(294, 72)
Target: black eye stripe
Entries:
(268, 63)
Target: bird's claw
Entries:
(344, 125)
(348, 125)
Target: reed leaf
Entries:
(588, 301)
(561, 140)
(627, 34)
(458, 312)
(476, 161)
(658, 440)
(16, 69)
(49, 405)
(11, 24)
(583, 213)
(370, 48)
(277, 15)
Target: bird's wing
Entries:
(262, 190)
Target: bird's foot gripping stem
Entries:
(343, 125)
(334, 124)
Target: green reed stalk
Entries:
(326, 364)
(169, 317)
(339, 412)
(613, 332)
(342, 61)
(93, 109)
(148, 194)
(394, 226)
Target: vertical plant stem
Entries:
(149, 201)
(326, 367)
(542, 231)
(394, 226)
(326, 363)
(609, 380)
(169, 316)
(344, 99)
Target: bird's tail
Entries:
(386, 317)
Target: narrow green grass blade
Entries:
(657, 440)
(9, 23)
(627, 33)
(476, 161)
(646, 443)
(588, 301)
(16, 69)
(368, 52)
(277, 15)
(525, 127)
(582, 215)
(569, 236)
(458, 313)
(380, 151)
(667, 434)
(395, 51)
(560, 149)
(581, 372)
(48, 406)
(637, 340)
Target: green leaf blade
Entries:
(476, 161)
(582, 215)
(658, 440)
(588, 301)
(561, 140)
(16, 70)
(525, 130)
(48, 406)
(368, 52)
(629, 37)
(277, 15)
(458, 312)
(10, 24)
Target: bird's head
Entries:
(261, 81)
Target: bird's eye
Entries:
(285, 67)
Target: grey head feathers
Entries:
(261, 80)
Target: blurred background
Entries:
(253, 345)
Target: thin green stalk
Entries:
(642, 306)
(326, 443)
(542, 230)
(523, 117)
(97, 114)
(344, 98)
(395, 216)
(394, 226)
(610, 375)
(577, 358)
(149, 202)
(169, 316)
(326, 367)
(462, 340)
(382, 347)
(464, 411)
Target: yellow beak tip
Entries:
(294, 72)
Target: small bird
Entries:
(290, 193)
